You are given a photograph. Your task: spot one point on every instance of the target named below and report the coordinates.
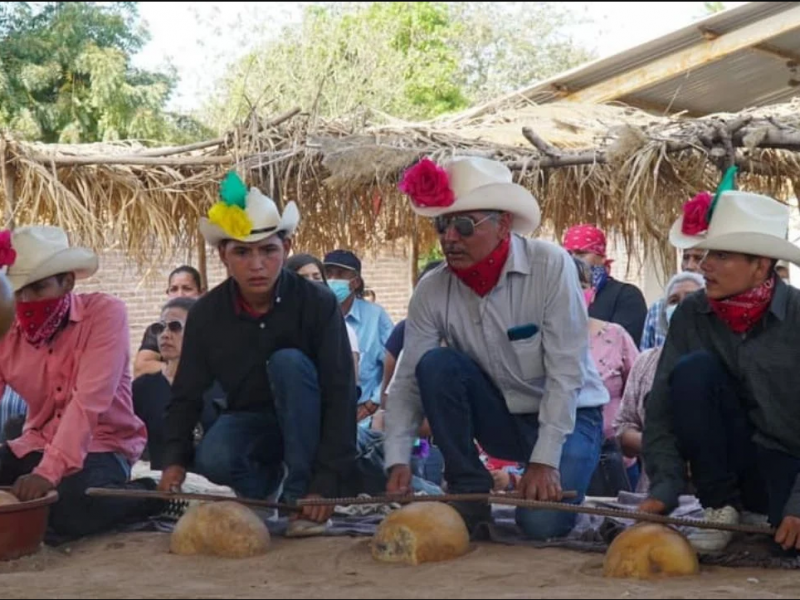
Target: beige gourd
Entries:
(7, 499)
(650, 551)
(224, 529)
(420, 533)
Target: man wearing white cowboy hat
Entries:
(516, 374)
(278, 346)
(68, 356)
(724, 398)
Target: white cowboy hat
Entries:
(44, 251)
(744, 223)
(481, 184)
(264, 216)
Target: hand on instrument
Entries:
(502, 479)
(399, 483)
(172, 479)
(542, 483)
(31, 487)
(317, 514)
(366, 410)
(653, 506)
(788, 536)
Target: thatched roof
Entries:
(621, 168)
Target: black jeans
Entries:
(715, 436)
(75, 514)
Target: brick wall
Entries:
(144, 292)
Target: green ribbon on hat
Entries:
(727, 184)
(233, 191)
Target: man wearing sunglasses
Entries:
(278, 346)
(515, 375)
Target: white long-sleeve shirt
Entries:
(550, 373)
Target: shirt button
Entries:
(262, 325)
(58, 389)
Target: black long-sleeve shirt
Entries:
(623, 304)
(765, 362)
(224, 343)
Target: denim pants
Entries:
(715, 436)
(247, 451)
(76, 515)
(463, 405)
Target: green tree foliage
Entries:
(66, 75)
(412, 60)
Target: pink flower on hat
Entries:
(695, 214)
(428, 185)
(8, 256)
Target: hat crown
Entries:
(745, 212)
(35, 244)
(468, 174)
(262, 210)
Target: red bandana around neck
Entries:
(483, 276)
(741, 312)
(39, 321)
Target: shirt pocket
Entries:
(530, 358)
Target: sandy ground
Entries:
(139, 566)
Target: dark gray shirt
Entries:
(766, 364)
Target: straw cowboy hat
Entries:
(475, 184)
(42, 252)
(262, 220)
(744, 223)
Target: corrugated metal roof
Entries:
(737, 81)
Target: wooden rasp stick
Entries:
(632, 515)
(168, 496)
(411, 499)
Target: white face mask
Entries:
(670, 311)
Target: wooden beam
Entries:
(685, 60)
(189, 161)
(657, 108)
(202, 262)
(8, 175)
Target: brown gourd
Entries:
(420, 533)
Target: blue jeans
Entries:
(715, 436)
(463, 405)
(246, 450)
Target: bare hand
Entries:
(399, 481)
(502, 479)
(366, 410)
(542, 483)
(653, 507)
(172, 479)
(317, 514)
(31, 487)
(788, 536)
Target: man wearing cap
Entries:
(68, 356)
(372, 325)
(515, 375)
(278, 346)
(725, 398)
(611, 300)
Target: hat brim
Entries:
(502, 197)
(215, 235)
(757, 244)
(82, 262)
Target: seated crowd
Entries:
(522, 365)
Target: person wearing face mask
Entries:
(629, 421)
(152, 392)
(612, 301)
(372, 324)
(68, 356)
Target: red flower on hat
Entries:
(695, 214)
(428, 185)
(8, 256)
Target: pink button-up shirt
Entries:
(78, 389)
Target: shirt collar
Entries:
(518, 257)
(77, 309)
(355, 311)
(238, 301)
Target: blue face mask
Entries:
(340, 287)
(670, 311)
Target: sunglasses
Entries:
(161, 327)
(464, 226)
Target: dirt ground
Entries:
(139, 566)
